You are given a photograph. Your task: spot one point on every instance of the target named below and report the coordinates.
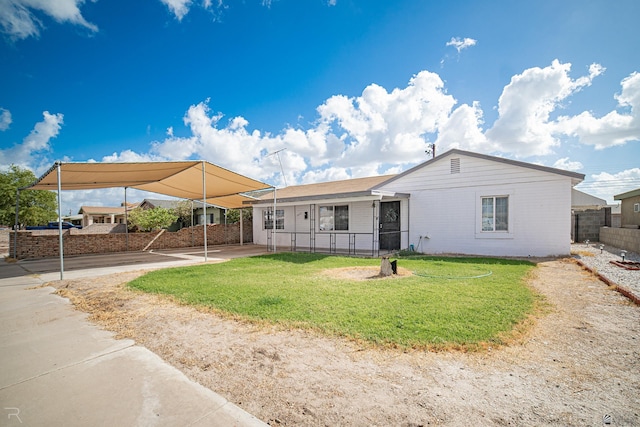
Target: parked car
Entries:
(53, 226)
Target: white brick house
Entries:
(460, 202)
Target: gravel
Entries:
(599, 262)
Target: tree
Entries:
(233, 215)
(183, 210)
(36, 206)
(152, 219)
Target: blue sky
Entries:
(348, 88)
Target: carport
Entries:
(191, 180)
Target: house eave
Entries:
(576, 178)
(353, 196)
(622, 196)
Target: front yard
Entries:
(432, 303)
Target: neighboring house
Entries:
(588, 214)
(630, 209)
(215, 214)
(583, 201)
(102, 215)
(459, 202)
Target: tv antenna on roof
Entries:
(277, 153)
(431, 150)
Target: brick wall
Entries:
(623, 238)
(43, 244)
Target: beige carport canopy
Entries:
(193, 180)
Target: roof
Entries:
(575, 177)
(102, 210)
(632, 193)
(184, 180)
(169, 204)
(579, 198)
(353, 187)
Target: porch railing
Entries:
(361, 244)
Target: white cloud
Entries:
(461, 44)
(383, 131)
(606, 185)
(179, 7)
(463, 130)
(613, 128)
(523, 127)
(352, 136)
(5, 119)
(18, 18)
(566, 164)
(325, 175)
(380, 127)
(131, 156)
(34, 144)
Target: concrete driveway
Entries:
(60, 369)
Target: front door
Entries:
(389, 226)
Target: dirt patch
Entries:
(363, 273)
(577, 363)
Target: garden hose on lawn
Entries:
(488, 273)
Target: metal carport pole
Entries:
(274, 219)
(204, 205)
(126, 222)
(15, 226)
(241, 233)
(60, 223)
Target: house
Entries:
(102, 215)
(630, 208)
(581, 201)
(215, 214)
(589, 214)
(459, 202)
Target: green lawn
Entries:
(448, 302)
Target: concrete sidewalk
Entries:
(59, 369)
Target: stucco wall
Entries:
(298, 226)
(445, 208)
(629, 217)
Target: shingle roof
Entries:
(102, 210)
(344, 188)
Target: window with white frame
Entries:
(636, 207)
(334, 218)
(267, 216)
(495, 213)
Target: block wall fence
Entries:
(622, 238)
(44, 244)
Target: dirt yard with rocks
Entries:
(577, 364)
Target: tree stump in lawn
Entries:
(385, 267)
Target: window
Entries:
(334, 218)
(495, 213)
(267, 215)
(636, 207)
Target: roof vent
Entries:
(455, 165)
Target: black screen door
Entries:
(390, 225)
